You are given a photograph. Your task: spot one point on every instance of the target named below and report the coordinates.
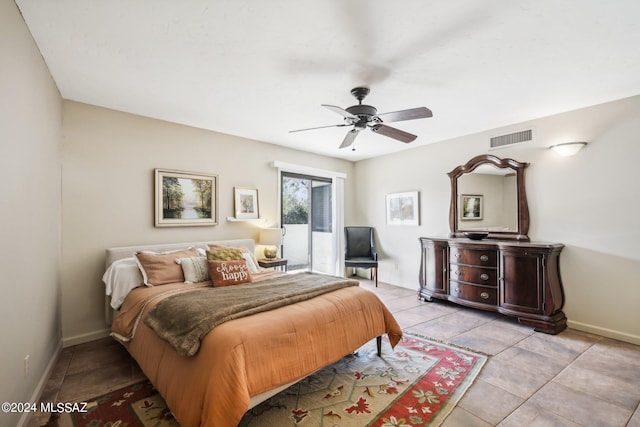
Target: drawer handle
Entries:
(484, 295)
(457, 255)
(457, 290)
(484, 276)
(484, 258)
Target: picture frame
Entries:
(245, 203)
(184, 199)
(403, 208)
(471, 207)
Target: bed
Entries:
(246, 360)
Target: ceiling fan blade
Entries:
(411, 114)
(320, 127)
(348, 140)
(341, 111)
(394, 133)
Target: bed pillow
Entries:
(252, 262)
(224, 253)
(161, 268)
(227, 273)
(245, 253)
(195, 269)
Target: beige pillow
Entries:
(161, 268)
(227, 273)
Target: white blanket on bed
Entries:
(121, 278)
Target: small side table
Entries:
(280, 263)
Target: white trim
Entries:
(306, 170)
(37, 393)
(604, 332)
(338, 224)
(83, 338)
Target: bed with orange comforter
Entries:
(242, 360)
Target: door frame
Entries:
(337, 198)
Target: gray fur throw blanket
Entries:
(184, 319)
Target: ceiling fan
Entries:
(365, 116)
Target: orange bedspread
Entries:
(248, 356)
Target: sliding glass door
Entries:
(307, 219)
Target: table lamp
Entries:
(271, 238)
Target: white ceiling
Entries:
(259, 69)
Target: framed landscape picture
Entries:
(471, 207)
(403, 209)
(185, 198)
(246, 203)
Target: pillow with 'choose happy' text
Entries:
(227, 273)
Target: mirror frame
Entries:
(523, 207)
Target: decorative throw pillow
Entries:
(222, 253)
(161, 268)
(226, 273)
(195, 269)
(252, 261)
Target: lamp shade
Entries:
(271, 236)
(568, 148)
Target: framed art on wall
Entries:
(246, 203)
(471, 207)
(185, 198)
(403, 208)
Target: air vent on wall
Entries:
(511, 138)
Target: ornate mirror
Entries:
(488, 196)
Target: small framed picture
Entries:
(185, 198)
(403, 209)
(471, 207)
(246, 203)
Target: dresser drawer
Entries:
(481, 294)
(480, 257)
(478, 275)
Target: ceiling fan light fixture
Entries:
(362, 116)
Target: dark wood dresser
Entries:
(519, 279)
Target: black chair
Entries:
(359, 250)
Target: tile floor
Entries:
(532, 379)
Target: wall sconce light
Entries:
(568, 148)
(271, 238)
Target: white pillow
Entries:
(120, 278)
(252, 263)
(195, 269)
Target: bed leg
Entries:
(379, 345)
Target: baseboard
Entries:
(35, 397)
(609, 333)
(83, 338)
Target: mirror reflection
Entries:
(487, 200)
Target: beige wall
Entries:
(589, 202)
(107, 200)
(30, 122)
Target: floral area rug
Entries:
(417, 384)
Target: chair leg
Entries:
(376, 269)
